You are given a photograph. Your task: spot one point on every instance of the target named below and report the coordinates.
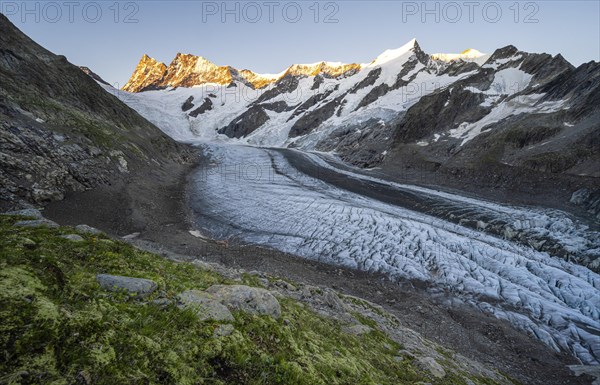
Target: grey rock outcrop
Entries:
(73, 237)
(37, 223)
(139, 287)
(30, 213)
(87, 230)
(248, 299)
(432, 366)
(188, 105)
(246, 123)
(205, 305)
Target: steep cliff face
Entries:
(189, 70)
(61, 132)
(147, 75)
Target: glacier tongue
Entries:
(255, 195)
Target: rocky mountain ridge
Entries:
(187, 70)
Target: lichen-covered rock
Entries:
(140, 287)
(161, 302)
(357, 330)
(37, 223)
(431, 365)
(87, 230)
(73, 237)
(224, 330)
(30, 213)
(248, 299)
(206, 306)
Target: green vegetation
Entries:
(57, 326)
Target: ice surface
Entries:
(255, 195)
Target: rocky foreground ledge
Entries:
(80, 307)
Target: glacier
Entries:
(255, 195)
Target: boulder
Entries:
(87, 229)
(333, 301)
(30, 213)
(357, 330)
(206, 306)
(431, 365)
(37, 223)
(161, 302)
(247, 299)
(73, 237)
(140, 287)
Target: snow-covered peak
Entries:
(330, 69)
(394, 54)
(259, 80)
(470, 55)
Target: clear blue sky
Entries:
(270, 35)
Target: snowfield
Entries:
(255, 195)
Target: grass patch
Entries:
(57, 326)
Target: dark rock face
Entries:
(439, 112)
(278, 107)
(207, 105)
(285, 85)
(362, 145)
(61, 132)
(311, 102)
(503, 53)
(581, 86)
(188, 105)
(313, 119)
(317, 82)
(246, 123)
(368, 81)
(459, 67)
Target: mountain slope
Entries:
(61, 132)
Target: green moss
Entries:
(56, 322)
(251, 280)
